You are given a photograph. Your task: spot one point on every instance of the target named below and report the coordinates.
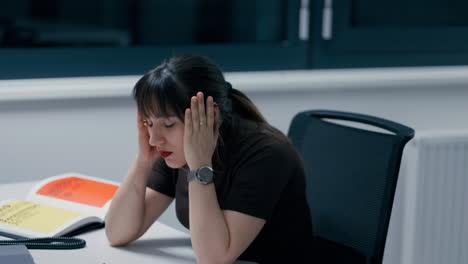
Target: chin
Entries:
(174, 164)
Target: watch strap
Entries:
(192, 175)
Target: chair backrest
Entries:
(351, 176)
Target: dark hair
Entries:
(169, 87)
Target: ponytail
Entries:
(244, 107)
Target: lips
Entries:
(165, 154)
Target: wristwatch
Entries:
(203, 175)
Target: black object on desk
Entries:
(67, 241)
(15, 254)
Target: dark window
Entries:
(60, 38)
(409, 14)
(375, 33)
(146, 22)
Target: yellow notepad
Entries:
(34, 217)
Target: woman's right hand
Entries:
(147, 154)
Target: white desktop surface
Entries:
(160, 244)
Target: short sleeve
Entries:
(259, 179)
(163, 179)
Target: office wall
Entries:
(97, 136)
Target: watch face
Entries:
(205, 174)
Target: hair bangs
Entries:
(160, 95)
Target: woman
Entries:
(206, 145)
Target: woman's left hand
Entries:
(201, 132)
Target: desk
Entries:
(160, 244)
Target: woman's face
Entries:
(166, 134)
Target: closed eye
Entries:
(169, 125)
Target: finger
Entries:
(209, 112)
(188, 122)
(139, 118)
(194, 111)
(216, 135)
(201, 110)
(140, 121)
(143, 134)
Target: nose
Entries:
(156, 138)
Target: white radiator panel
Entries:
(433, 200)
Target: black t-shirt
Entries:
(259, 174)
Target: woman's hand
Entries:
(201, 132)
(147, 154)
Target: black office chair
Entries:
(351, 180)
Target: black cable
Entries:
(47, 243)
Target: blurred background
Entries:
(115, 37)
(67, 69)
